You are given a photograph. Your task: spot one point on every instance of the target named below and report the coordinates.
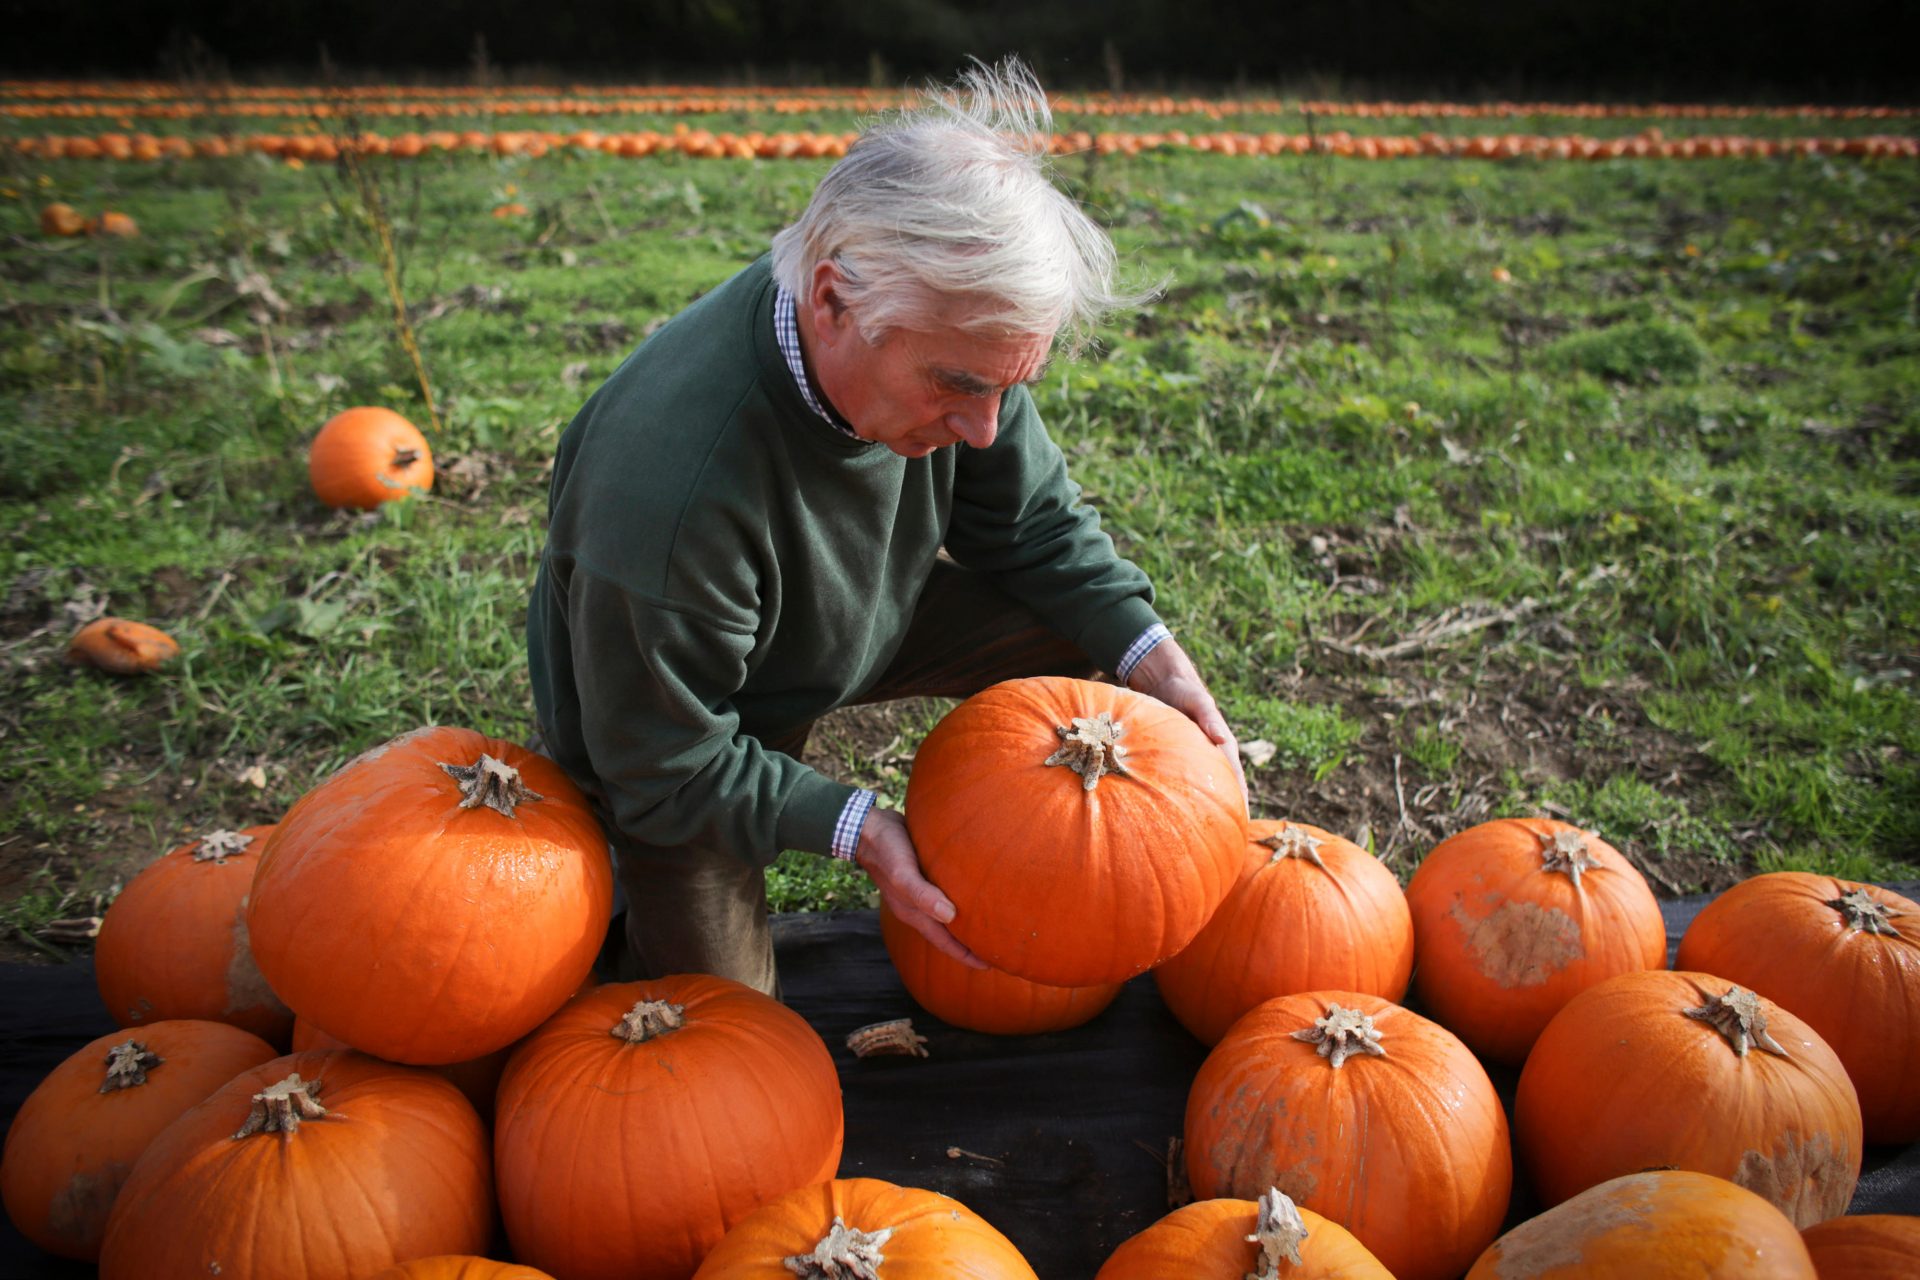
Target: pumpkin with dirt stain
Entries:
(76, 1138)
(1366, 1113)
(1865, 1246)
(1842, 955)
(366, 456)
(121, 646)
(1513, 918)
(984, 999)
(1665, 1222)
(1230, 1239)
(1672, 1069)
(174, 943)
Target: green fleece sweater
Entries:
(722, 564)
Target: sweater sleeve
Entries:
(1018, 516)
(654, 682)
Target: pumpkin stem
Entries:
(493, 783)
(1736, 1015)
(844, 1253)
(1293, 842)
(1566, 851)
(1091, 748)
(1278, 1230)
(128, 1064)
(404, 458)
(648, 1019)
(280, 1108)
(1341, 1034)
(1865, 914)
(217, 846)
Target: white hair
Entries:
(948, 208)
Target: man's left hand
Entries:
(1167, 673)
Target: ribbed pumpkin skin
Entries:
(366, 456)
(71, 1147)
(984, 999)
(122, 647)
(473, 926)
(1209, 1240)
(403, 1173)
(1622, 1081)
(1057, 883)
(460, 1267)
(174, 943)
(630, 1161)
(934, 1237)
(1289, 926)
(1867, 1246)
(1669, 1222)
(1777, 934)
(1501, 943)
(477, 1078)
(1408, 1152)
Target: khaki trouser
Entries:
(701, 910)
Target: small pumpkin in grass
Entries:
(1244, 1240)
(59, 219)
(1865, 1246)
(1843, 956)
(1084, 832)
(174, 943)
(460, 1267)
(1513, 918)
(274, 1177)
(112, 222)
(856, 1227)
(471, 867)
(645, 1119)
(1666, 1069)
(1310, 912)
(1665, 1222)
(77, 1136)
(984, 999)
(121, 646)
(1364, 1112)
(366, 456)
(477, 1078)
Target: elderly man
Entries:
(747, 524)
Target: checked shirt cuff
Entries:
(846, 828)
(1139, 649)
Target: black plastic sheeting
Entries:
(1058, 1140)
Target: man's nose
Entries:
(977, 424)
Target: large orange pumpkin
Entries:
(465, 876)
(366, 456)
(1843, 956)
(76, 1137)
(460, 1267)
(646, 1118)
(1083, 831)
(477, 1078)
(312, 1165)
(1234, 1239)
(1310, 912)
(122, 647)
(1513, 918)
(1865, 1246)
(855, 1227)
(1665, 1222)
(1669, 1069)
(174, 943)
(1364, 1112)
(984, 999)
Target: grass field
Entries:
(1477, 488)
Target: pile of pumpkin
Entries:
(438, 902)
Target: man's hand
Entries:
(1167, 673)
(886, 853)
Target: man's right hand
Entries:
(886, 853)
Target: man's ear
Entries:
(827, 309)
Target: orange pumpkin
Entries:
(1513, 918)
(1234, 1239)
(76, 1137)
(1083, 831)
(471, 868)
(61, 220)
(1310, 912)
(315, 1164)
(1866, 1246)
(864, 1227)
(478, 1078)
(984, 999)
(1364, 1112)
(366, 456)
(1679, 1070)
(1843, 956)
(113, 223)
(660, 1113)
(122, 647)
(460, 1267)
(174, 943)
(1665, 1222)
